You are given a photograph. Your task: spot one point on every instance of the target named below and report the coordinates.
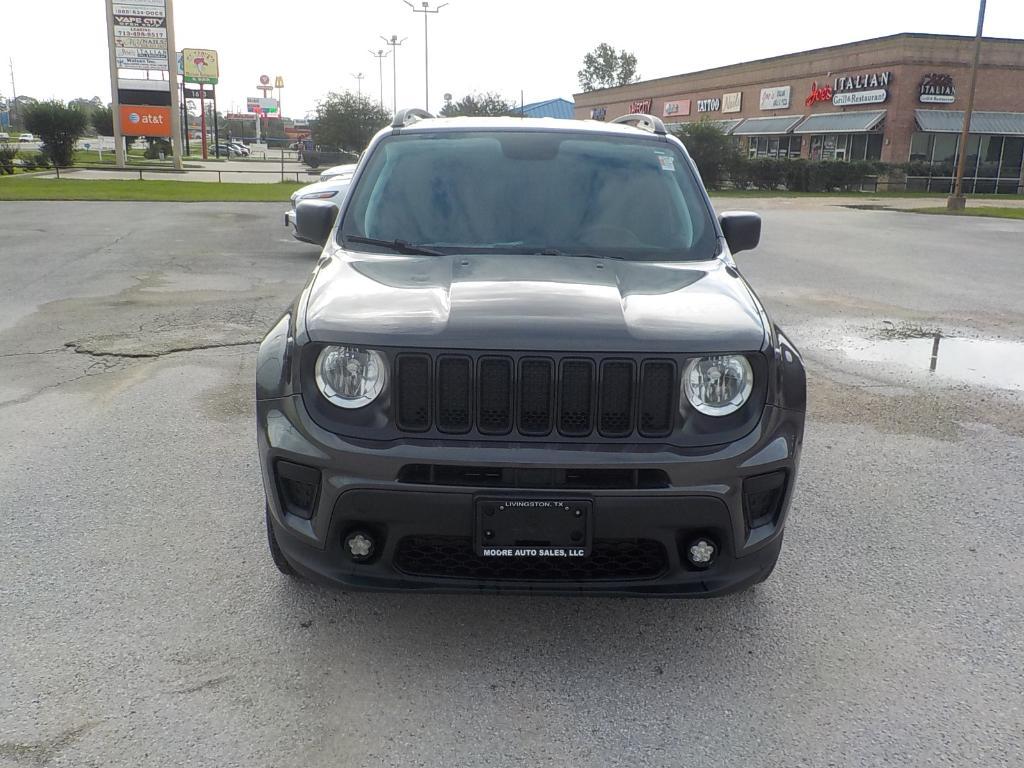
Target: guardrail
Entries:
(284, 175)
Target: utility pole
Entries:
(394, 42)
(115, 101)
(426, 10)
(380, 54)
(957, 201)
(172, 76)
(359, 84)
(14, 94)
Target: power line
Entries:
(426, 10)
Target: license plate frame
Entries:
(540, 527)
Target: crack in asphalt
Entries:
(43, 752)
(81, 350)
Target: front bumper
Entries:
(425, 529)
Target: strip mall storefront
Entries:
(896, 99)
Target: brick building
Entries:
(896, 99)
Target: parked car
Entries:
(339, 170)
(224, 150)
(527, 361)
(332, 192)
(242, 150)
(4, 137)
(26, 137)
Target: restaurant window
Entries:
(846, 146)
(774, 146)
(993, 163)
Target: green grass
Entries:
(32, 188)
(992, 211)
(862, 195)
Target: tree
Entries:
(58, 126)
(348, 121)
(712, 151)
(488, 104)
(103, 121)
(604, 68)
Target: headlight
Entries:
(718, 385)
(350, 377)
(319, 195)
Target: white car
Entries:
(332, 191)
(338, 170)
(26, 137)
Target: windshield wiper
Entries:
(580, 254)
(401, 246)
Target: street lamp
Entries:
(426, 10)
(359, 83)
(394, 42)
(380, 54)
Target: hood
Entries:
(544, 303)
(339, 184)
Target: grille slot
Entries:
(658, 395)
(494, 414)
(576, 398)
(454, 394)
(616, 408)
(536, 387)
(453, 557)
(413, 392)
(517, 477)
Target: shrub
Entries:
(41, 159)
(58, 126)
(155, 147)
(712, 151)
(739, 171)
(7, 154)
(766, 173)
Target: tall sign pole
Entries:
(115, 103)
(172, 76)
(426, 10)
(957, 201)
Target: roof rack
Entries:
(409, 116)
(648, 123)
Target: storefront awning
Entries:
(950, 121)
(727, 126)
(767, 126)
(842, 122)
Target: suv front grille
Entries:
(535, 396)
(453, 557)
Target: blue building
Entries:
(560, 108)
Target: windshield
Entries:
(532, 192)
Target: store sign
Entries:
(731, 101)
(140, 34)
(676, 108)
(201, 65)
(240, 116)
(145, 120)
(198, 93)
(937, 89)
(709, 105)
(263, 106)
(598, 113)
(776, 98)
(822, 93)
(870, 88)
(641, 107)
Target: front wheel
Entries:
(275, 550)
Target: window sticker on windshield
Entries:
(668, 163)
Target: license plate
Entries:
(508, 527)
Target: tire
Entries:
(275, 550)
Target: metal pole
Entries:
(202, 118)
(394, 42)
(426, 10)
(172, 76)
(115, 102)
(380, 55)
(216, 132)
(957, 201)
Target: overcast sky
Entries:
(60, 50)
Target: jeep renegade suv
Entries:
(527, 362)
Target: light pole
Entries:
(380, 55)
(957, 201)
(394, 42)
(359, 84)
(426, 10)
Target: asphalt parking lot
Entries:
(144, 625)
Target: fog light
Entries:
(359, 546)
(701, 552)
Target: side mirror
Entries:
(742, 230)
(314, 220)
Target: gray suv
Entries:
(526, 362)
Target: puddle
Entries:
(989, 362)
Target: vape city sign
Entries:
(641, 106)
